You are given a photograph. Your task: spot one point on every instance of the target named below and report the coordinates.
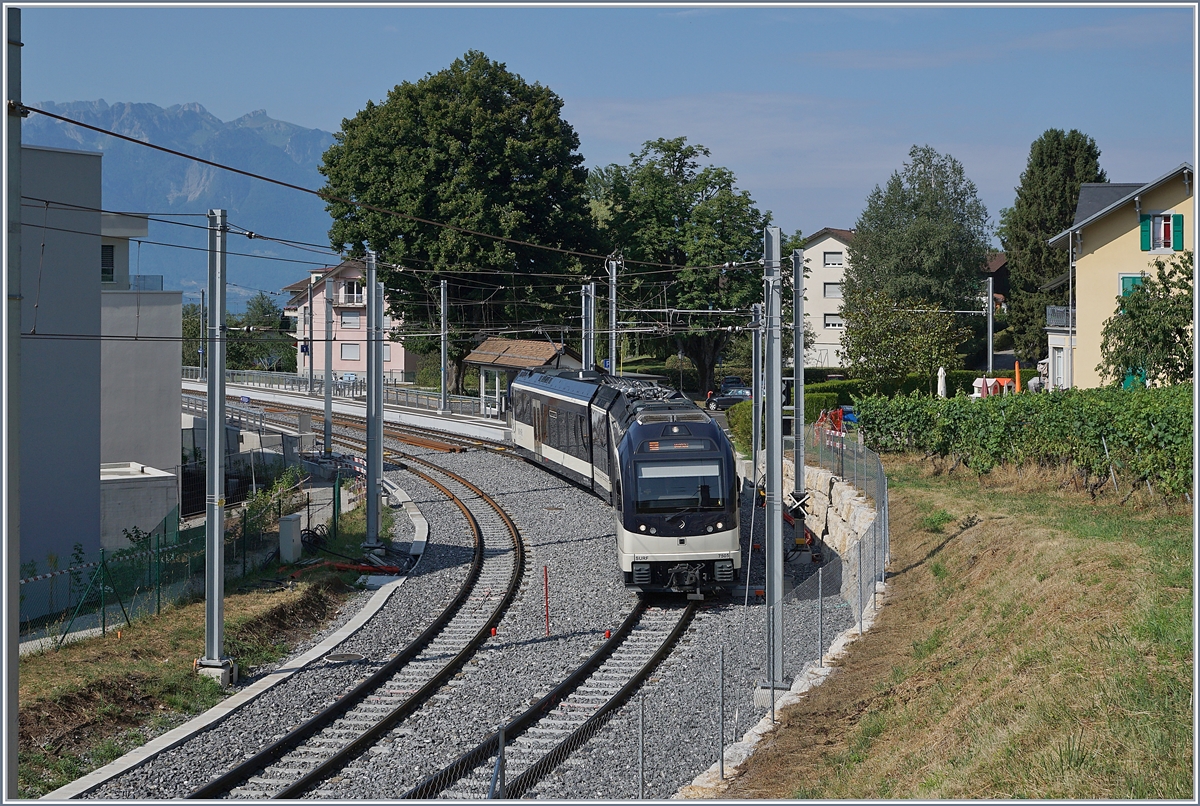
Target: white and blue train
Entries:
(665, 465)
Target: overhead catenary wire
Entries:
(24, 111)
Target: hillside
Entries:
(143, 180)
(1033, 644)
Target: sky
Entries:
(811, 107)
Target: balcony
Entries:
(1060, 316)
(349, 299)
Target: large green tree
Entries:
(1059, 163)
(698, 229)
(885, 339)
(923, 236)
(478, 148)
(1150, 336)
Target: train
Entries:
(666, 467)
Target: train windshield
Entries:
(673, 486)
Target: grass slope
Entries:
(1033, 644)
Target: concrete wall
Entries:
(133, 495)
(827, 350)
(1111, 248)
(60, 377)
(139, 386)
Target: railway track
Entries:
(548, 732)
(328, 741)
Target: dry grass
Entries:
(1040, 646)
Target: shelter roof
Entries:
(516, 353)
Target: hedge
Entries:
(1147, 432)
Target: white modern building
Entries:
(100, 363)
(826, 254)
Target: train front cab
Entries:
(677, 524)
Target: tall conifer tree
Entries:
(1059, 162)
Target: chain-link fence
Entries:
(159, 568)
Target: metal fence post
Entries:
(820, 618)
(158, 575)
(103, 604)
(245, 536)
(721, 718)
(859, 585)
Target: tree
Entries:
(924, 236)
(266, 346)
(1150, 335)
(475, 147)
(664, 209)
(1059, 163)
(885, 340)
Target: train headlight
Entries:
(653, 531)
(642, 527)
(720, 525)
(710, 528)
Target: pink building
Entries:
(307, 306)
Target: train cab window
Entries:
(668, 487)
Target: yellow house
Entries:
(1119, 230)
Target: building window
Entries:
(350, 351)
(834, 321)
(108, 264)
(350, 320)
(352, 292)
(387, 352)
(1162, 232)
(833, 260)
(1130, 282)
(833, 290)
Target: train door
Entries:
(539, 427)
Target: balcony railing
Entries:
(351, 299)
(1060, 316)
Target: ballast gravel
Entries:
(571, 572)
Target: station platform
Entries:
(457, 424)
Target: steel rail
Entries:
(489, 748)
(277, 750)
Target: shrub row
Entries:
(958, 380)
(1147, 432)
(740, 417)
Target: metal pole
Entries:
(444, 401)
(756, 384)
(588, 328)
(203, 352)
(612, 316)
(773, 417)
(214, 527)
(308, 335)
(12, 402)
(377, 490)
(374, 443)
(990, 310)
(798, 374)
(328, 366)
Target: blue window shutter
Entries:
(1177, 232)
(1145, 232)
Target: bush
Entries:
(1148, 432)
(740, 417)
(815, 403)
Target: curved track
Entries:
(331, 739)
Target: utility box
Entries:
(290, 547)
(304, 423)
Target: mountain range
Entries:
(140, 179)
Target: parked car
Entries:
(733, 396)
(730, 382)
(349, 377)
